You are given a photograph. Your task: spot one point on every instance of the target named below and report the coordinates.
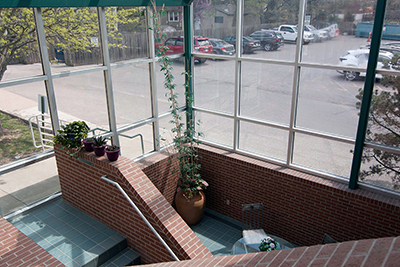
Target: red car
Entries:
(201, 45)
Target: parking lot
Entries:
(326, 100)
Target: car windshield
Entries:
(221, 42)
(295, 28)
(312, 28)
(203, 42)
(249, 39)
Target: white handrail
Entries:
(104, 177)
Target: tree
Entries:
(384, 128)
(71, 29)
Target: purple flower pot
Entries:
(99, 150)
(112, 155)
(88, 145)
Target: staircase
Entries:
(73, 237)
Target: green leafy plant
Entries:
(185, 141)
(268, 244)
(99, 141)
(112, 148)
(71, 135)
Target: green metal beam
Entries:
(368, 92)
(188, 43)
(89, 3)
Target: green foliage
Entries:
(268, 244)
(71, 29)
(384, 128)
(185, 140)
(99, 141)
(16, 140)
(70, 136)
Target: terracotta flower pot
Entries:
(112, 155)
(191, 210)
(88, 145)
(99, 150)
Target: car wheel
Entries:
(351, 75)
(267, 47)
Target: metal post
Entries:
(296, 79)
(107, 76)
(189, 67)
(238, 73)
(152, 75)
(367, 93)
(46, 69)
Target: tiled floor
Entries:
(217, 235)
(71, 236)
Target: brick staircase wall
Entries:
(383, 252)
(82, 187)
(16, 249)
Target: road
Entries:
(326, 100)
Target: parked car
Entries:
(359, 58)
(200, 45)
(318, 35)
(249, 44)
(289, 33)
(270, 40)
(220, 47)
(393, 47)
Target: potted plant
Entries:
(190, 198)
(70, 136)
(99, 146)
(112, 152)
(88, 143)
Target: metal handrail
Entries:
(104, 177)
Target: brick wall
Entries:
(82, 187)
(16, 249)
(160, 170)
(297, 207)
(383, 252)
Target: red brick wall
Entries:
(383, 252)
(160, 170)
(16, 249)
(297, 207)
(82, 187)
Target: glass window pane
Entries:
(82, 97)
(266, 91)
(179, 80)
(263, 140)
(380, 168)
(205, 13)
(273, 27)
(327, 102)
(18, 104)
(172, 28)
(131, 141)
(126, 31)
(131, 87)
(323, 155)
(214, 85)
(216, 129)
(72, 35)
(18, 30)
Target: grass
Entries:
(16, 141)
